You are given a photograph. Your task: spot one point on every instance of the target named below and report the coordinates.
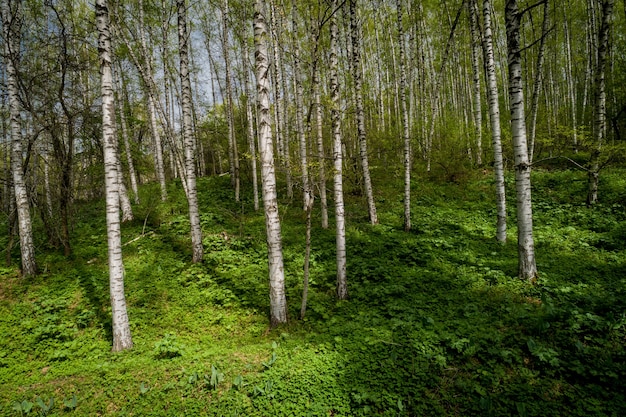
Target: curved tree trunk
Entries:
(494, 117)
(11, 49)
(121, 329)
(527, 269)
(278, 301)
(188, 135)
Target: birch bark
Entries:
(342, 284)
(123, 123)
(494, 118)
(319, 124)
(279, 104)
(299, 92)
(188, 134)
(527, 269)
(599, 119)
(478, 114)
(152, 112)
(10, 27)
(250, 120)
(278, 301)
(405, 122)
(357, 73)
(534, 101)
(121, 329)
(230, 119)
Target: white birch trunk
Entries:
(152, 112)
(570, 84)
(279, 105)
(599, 118)
(342, 284)
(527, 269)
(127, 209)
(405, 122)
(494, 118)
(11, 49)
(129, 156)
(278, 301)
(250, 121)
(188, 134)
(121, 329)
(360, 114)
(320, 140)
(232, 142)
(478, 114)
(299, 93)
(534, 104)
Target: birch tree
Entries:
(405, 121)
(250, 120)
(299, 93)
(278, 301)
(230, 118)
(360, 114)
(478, 116)
(124, 127)
(599, 119)
(527, 269)
(121, 329)
(11, 30)
(494, 119)
(188, 134)
(534, 101)
(340, 222)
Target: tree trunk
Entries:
(148, 76)
(570, 85)
(11, 36)
(494, 118)
(342, 284)
(405, 122)
(360, 114)
(315, 80)
(279, 92)
(121, 329)
(599, 119)
(188, 134)
(127, 209)
(299, 93)
(527, 269)
(478, 114)
(534, 104)
(307, 256)
(250, 120)
(278, 301)
(123, 123)
(230, 119)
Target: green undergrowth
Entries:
(436, 322)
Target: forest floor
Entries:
(436, 324)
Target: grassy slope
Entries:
(436, 323)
